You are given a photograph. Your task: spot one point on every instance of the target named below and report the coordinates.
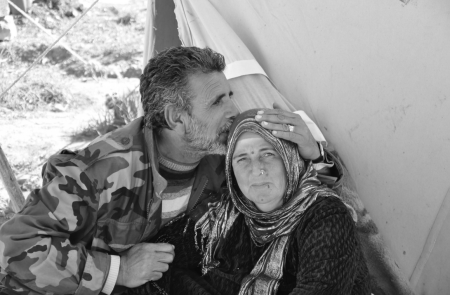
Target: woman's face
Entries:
(259, 171)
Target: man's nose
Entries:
(232, 110)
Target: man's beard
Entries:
(198, 144)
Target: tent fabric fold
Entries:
(199, 24)
(243, 67)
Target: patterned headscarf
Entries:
(266, 228)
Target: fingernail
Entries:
(264, 123)
(260, 112)
(258, 117)
(274, 132)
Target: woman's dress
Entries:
(324, 257)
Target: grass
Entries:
(95, 127)
(36, 91)
(108, 37)
(119, 111)
(105, 37)
(44, 85)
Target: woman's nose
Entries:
(257, 167)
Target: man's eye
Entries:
(217, 102)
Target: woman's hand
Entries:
(290, 126)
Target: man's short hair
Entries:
(165, 78)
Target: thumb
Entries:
(276, 106)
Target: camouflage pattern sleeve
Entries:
(43, 247)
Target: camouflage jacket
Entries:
(101, 201)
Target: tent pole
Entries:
(149, 40)
(10, 182)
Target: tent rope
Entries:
(49, 48)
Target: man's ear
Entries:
(174, 118)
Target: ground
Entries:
(61, 102)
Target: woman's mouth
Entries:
(261, 185)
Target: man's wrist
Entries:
(112, 275)
(323, 161)
(321, 156)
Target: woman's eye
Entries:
(268, 154)
(240, 160)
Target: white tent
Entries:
(375, 76)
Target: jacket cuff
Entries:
(325, 162)
(94, 274)
(337, 170)
(112, 275)
(332, 176)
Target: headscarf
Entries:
(273, 228)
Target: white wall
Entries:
(375, 75)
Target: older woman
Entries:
(276, 230)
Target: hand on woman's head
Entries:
(259, 171)
(266, 169)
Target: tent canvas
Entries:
(374, 76)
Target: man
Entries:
(82, 232)
(8, 29)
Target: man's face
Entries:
(211, 115)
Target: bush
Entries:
(119, 111)
(40, 88)
(63, 7)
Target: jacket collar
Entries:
(159, 183)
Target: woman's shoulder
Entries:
(329, 205)
(325, 214)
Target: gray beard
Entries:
(198, 145)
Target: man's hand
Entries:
(144, 262)
(279, 120)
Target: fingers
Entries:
(164, 257)
(276, 106)
(276, 119)
(277, 114)
(160, 267)
(279, 122)
(282, 127)
(163, 247)
(155, 276)
(144, 262)
(285, 135)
